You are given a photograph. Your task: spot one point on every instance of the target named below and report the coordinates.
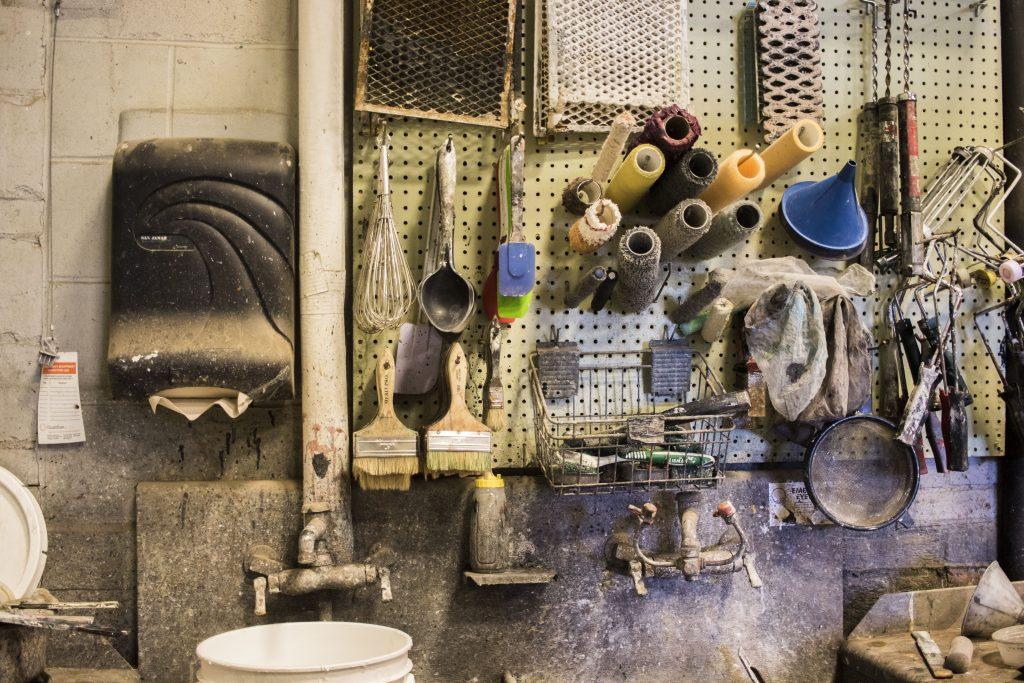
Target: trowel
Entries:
(418, 357)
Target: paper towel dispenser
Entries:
(203, 269)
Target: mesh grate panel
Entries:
(789, 42)
(861, 476)
(596, 58)
(450, 60)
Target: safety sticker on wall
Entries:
(60, 405)
(789, 504)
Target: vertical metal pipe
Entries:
(322, 236)
(1011, 471)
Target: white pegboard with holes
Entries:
(955, 71)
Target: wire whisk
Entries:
(384, 288)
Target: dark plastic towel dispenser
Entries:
(203, 268)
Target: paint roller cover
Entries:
(685, 179)
(638, 172)
(671, 129)
(731, 226)
(612, 148)
(597, 225)
(719, 314)
(683, 226)
(742, 172)
(639, 269)
(796, 144)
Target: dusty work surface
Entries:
(894, 657)
(881, 647)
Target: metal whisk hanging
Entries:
(384, 288)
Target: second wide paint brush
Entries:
(458, 442)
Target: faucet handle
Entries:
(645, 514)
(259, 585)
(748, 564)
(261, 560)
(384, 576)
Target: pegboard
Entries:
(955, 71)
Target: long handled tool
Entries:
(912, 248)
(869, 147)
(418, 360)
(516, 257)
(448, 299)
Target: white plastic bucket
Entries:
(306, 652)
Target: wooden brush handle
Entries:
(457, 372)
(385, 384)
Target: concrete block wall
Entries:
(127, 69)
(123, 69)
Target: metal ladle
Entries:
(448, 299)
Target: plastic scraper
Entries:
(516, 257)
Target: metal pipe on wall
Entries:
(1010, 527)
(322, 272)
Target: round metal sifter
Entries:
(859, 475)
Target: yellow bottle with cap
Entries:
(488, 546)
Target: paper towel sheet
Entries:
(194, 401)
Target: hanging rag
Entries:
(786, 337)
(847, 384)
(744, 284)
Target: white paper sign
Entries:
(60, 405)
(789, 503)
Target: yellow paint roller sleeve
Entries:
(796, 144)
(635, 175)
(742, 172)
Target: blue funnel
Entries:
(824, 217)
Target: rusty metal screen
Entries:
(449, 60)
(595, 58)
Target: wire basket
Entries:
(609, 436)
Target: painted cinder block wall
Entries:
(134, 68)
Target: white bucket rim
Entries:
(339, 666)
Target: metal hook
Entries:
(874, 13)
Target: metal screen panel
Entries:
(449, 60)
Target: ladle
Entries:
(447, 298)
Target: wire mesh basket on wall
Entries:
(607, 434)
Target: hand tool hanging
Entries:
(911, 227)
(888, 156)
(869, 145)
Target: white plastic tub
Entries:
(1010, 641)
(306, 652)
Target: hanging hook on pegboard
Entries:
(977, 6)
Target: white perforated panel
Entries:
(955, 72)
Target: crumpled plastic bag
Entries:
(786, 337)
(745, 283)
(847, 383)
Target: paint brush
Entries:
(385, 454)
(458, 442)
(495, 415)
